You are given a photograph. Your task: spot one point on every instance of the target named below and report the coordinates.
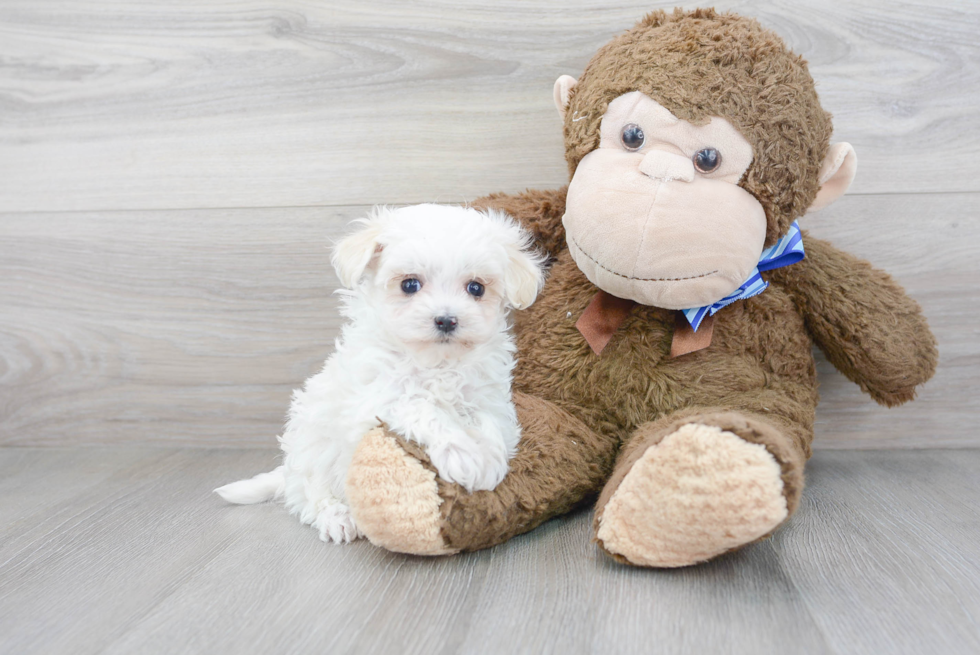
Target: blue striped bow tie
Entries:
(788, 250)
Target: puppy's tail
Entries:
(263, 487)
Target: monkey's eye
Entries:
(633, 137)
(411, 285)
(475, 289)
(707, 160)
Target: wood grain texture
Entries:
(120, 105)
(193, 327)
(162, 326)
(138, 556)
(875, 516)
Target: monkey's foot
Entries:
(696, 493)
(395, 498)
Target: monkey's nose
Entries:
(667, 166)
(445, 324)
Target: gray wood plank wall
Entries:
(171, 178)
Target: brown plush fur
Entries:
(864, 322)
(757, 379)
(549, 477)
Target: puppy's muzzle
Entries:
(446, 324)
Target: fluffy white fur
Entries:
(448, 391)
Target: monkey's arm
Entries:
(538, 211)
(864, 322)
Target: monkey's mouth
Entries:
(639, 279)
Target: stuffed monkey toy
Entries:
(666, 367)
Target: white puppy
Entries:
(427, 351)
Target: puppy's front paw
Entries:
(335, 523)
(465, 464)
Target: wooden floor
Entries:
(106, 550)
(171, 178)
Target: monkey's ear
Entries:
(836, 175)
(563, 91)
(352, 256)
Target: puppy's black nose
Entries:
(445, 323)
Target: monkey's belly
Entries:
(759, 359)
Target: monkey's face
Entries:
(655, 213)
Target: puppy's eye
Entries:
(633, 137)
(411, 285)
(475, 289)
(707, 160)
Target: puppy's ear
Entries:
(524, 275)
(352, 256)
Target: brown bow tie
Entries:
(606, 313)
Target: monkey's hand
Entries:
(538, 211)
(864, 322)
